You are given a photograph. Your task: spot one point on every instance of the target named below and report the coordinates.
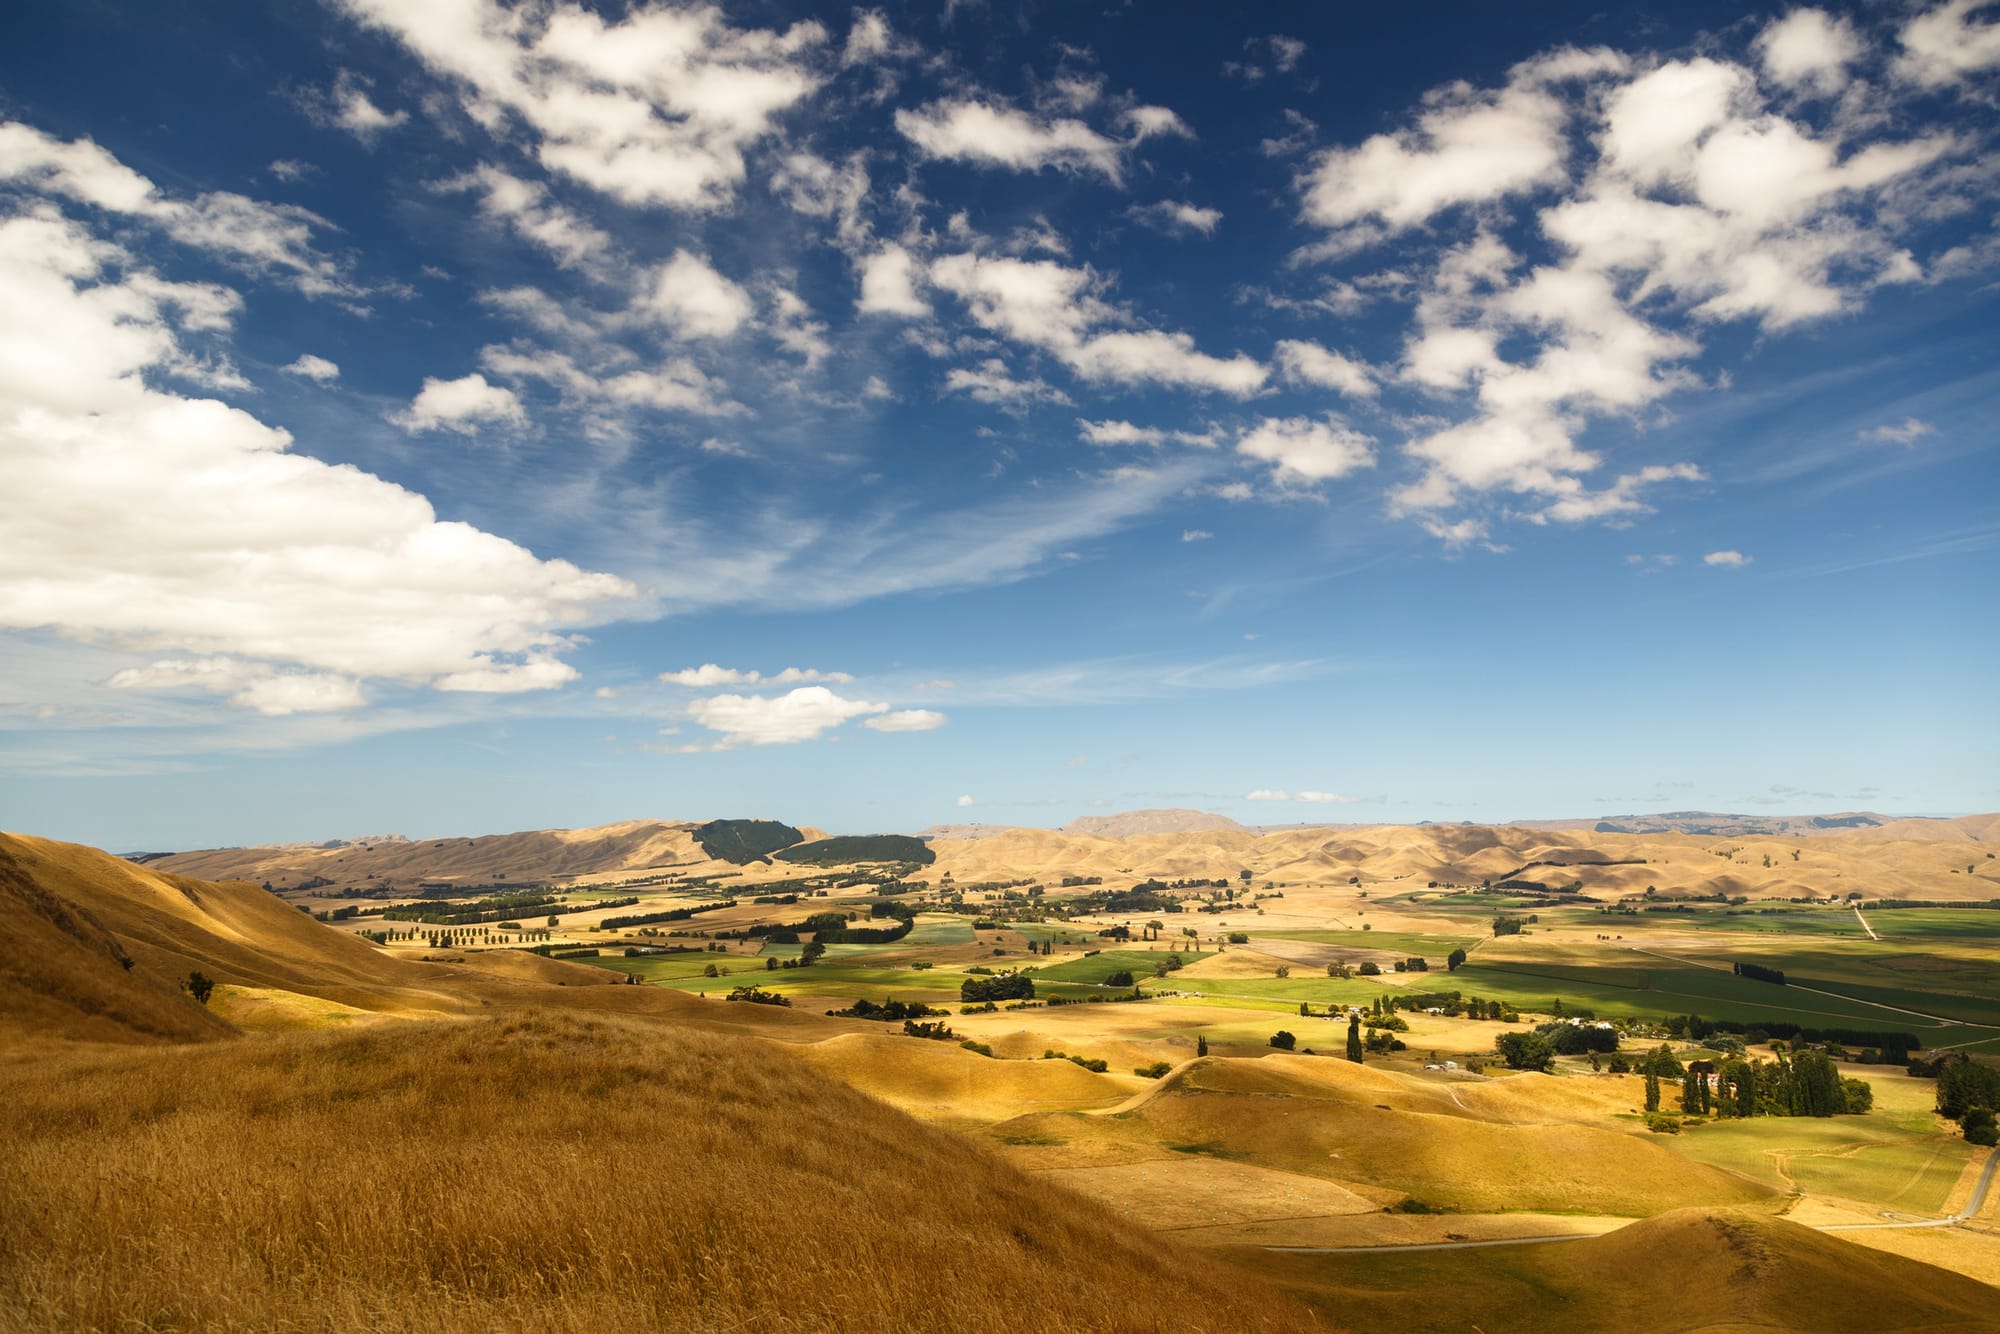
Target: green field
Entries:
(1139, 963)
(1432, 948)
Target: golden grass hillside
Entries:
(1391, 1135)
(544, 1171)
(542, 854)
(1685, 1271)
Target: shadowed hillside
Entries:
(1686, 1271)
(544, 1171)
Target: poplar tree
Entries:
(1354, 1038)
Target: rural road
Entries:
(1864, 923)
(1971, 1209)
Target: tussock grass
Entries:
(540, 1171)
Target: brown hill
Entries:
(542, 1172)
(538, 856)
(1173, 820)
(1685, 1271)
(72, 916)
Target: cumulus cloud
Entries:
(1728, 559)
(963, 801)
(889, 284)
(992, 134)
(310, 367)
(654, 109)
(461, 405)
(1670, 197)
(1306, 450)
(804, 714)
(1310, 364)
(1113, 432)
(1945, 44)
(1177, 217)
(526, 208)
(154, 522)
(1315, 798)
(908, 720)
(1808, 49)
(348, 107)
(688, 296)
(272, 241)
(1906, 432)
(1056, 308)
(992, 383)
(711, 674)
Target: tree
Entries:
(1200, 1045)
(1692, 1088)
(1981, 1127)
(1284, 970)
(1369, 968)
(1652, 1092)
(1354, 1038)
(1526, 1051)
(1283, 1041)
(199, 986)
(1453, 960)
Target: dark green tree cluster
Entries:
(1003, 986)
(1969, 1093)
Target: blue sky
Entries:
(463, 417)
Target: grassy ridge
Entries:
(453, 1188)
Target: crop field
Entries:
(1423, 945)
(1139, 963)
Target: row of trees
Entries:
(1806, 1084)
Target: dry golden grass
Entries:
(1691, 1270)
(1374, 1130)
(540, 1172)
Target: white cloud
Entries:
(908, 720)
(991, 382)
(1051, 306)
(314, 368)
(655, 110)
(1456, 536)
(996, 135)
(1808, 49)
(710, 674)
(1309, 363)
(573, 240)
(889, 284)
(1177, 217)
(1731, 559)
(1907, 432)
(1467, 147)
(461, 405)
(1670, 200)
(1940, 47)
(347, 106)
(138, 518)
(1316, 798)
(1578, 504)
(804, 714)
(1112, 432)
(963, 801)
(1305, 449)
(1196, 535)
(695, 301)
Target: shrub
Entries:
(1121, 978)
(1662, 1124)
(199, 986)
(1156, 1070)
(1239, 938)
(757, 996)
(1283, 1041)
(972, 1044)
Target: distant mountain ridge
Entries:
(1171, 820)
(1719, 824)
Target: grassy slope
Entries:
(540, 1171)
(1684, 1271)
